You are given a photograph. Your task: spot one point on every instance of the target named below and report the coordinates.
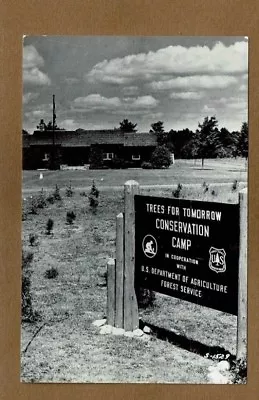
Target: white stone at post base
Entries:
(146, 329)
(129, 334)
(99, 322)
(145, 338)
(138, 332)
(217, 378)
(118, 331)
(105, 330)
(223, 366)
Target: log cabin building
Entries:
(74, 147)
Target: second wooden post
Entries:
(131, 320)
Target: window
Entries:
(135, 156)
(46, 157)
(108, 156)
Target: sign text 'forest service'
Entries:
(189, 250)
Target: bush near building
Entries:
(161, 157)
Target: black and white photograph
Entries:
(134, 209)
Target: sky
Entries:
(100, 80)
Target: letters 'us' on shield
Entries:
(188, 250)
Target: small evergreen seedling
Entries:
(71, 216)
(41, 200)
(145, 297)
(33, 207)
(33, 239)
(28, 314)
(56, 194)
(49, 226)
(51, 273)
(69, 191)
(176, 193)
(205, 187)
(235, 185)
(93, 198)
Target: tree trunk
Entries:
(202, 162)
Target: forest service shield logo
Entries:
(149, 246)
(217, 261)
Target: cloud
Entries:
(95, 102)
(153, 117)
(173, 60)
(195, 82)
(69, 124)
(36, 114)
(32, 61)
(71, 80)
(31, 58)
(229, 100)
(208, 109)
(233, 104)
(144, 102)
(186, 95)
(243, 88)
(27, 97)
(238, 105)
(130, 90)
(36, 77)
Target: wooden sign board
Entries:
(189, 250)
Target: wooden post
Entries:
(242, 281)
(119, 271)
(131, 321)
(111, 292)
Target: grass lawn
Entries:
(183, 171)
(68, 348)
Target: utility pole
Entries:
(53, 134)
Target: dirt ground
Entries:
(66, 346)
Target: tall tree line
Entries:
(208, 141)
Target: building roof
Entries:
(87, 138)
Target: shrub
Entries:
(129, 164)
(213, 193)
(50, 199)
(33, 208)
(117, 163)
(41, 200)
(234, 185)
(28, 314)
(84, 194)
(145, 297)
(176, 193)
(146, 165)
(69, 191)
(99, 167)
(51, 273)
(239, 370)
(93, 198)
(205, 187)
(161, 157)
(56, 194)
(97, 238)
(33, 239)
(70, 217)
(49, 226)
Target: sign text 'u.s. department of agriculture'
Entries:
(189, 250)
